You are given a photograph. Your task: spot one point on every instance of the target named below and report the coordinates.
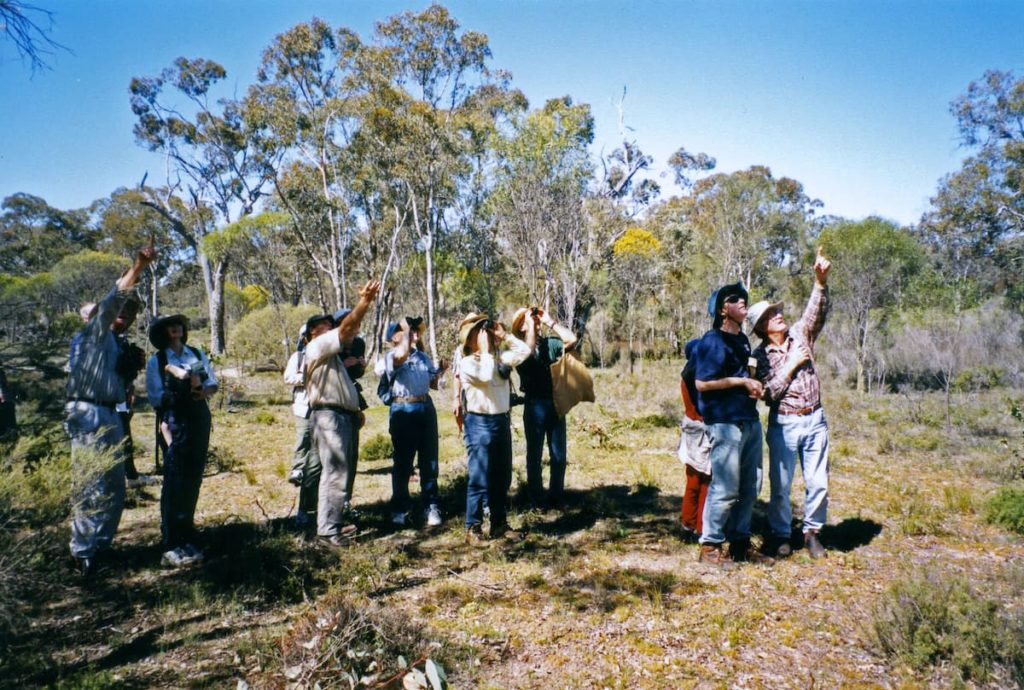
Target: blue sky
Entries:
(849, 98)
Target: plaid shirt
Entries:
(803, 390)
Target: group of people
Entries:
(328, 403)
(179, 380)
(721, 445)
(721, 430)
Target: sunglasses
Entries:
(733, 299)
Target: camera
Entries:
(534, 311)
(414, 321)
(487, 325)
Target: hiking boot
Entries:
(744, 551)
(177, 558)
(340, 540)
(779, 547)
(714, 554)
(814, 547)
(475, 536)
(295, 477)
(434, 517)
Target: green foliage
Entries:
(269, 334)
(1006, 508)
(377, 447)
(265, 417)
(928, 621)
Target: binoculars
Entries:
(414, 321)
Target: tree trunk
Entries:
(216, 299)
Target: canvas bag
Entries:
(571, 383)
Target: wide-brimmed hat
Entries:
(717, 298)
(318, 318)
(756, 313)
(468, 324)
(158, 329)
(519, 318)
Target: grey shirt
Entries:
(94, 357)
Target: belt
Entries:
(405, 400)
(801, 411)
(332, 408)
(487, 414)
(91, 401)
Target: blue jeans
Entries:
(184, 463)
(489, 447)
(540, 420)
(735, 477)
(792, 437)
(413, 428)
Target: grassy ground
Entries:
(603, 594)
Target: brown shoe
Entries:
(475, 536)
(744, 551)
(714, 554)
(814, 547)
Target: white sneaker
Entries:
(433, 517)
(487, 512)
(399, 519)
(177, 558)
(195, 553)
(295, 476)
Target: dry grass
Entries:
(603, 594)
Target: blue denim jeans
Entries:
(735, 478)
(413, 428)
(539, 421)
(489, 448)
(793, 437)
(184, 463)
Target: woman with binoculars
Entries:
(179, 380)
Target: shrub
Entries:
(264, 417)
(1006, 509)
(257, 338)
(377, 447)
(926, 621)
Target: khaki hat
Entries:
(468, 324)
(519, 319)
(756, 313)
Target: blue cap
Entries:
(341, 314)
(393, 328)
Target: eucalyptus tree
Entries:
(542, 172)
(748, 223)
(875, 262)
(435, 90)
(216, 173)
(305, 110)
(978, 210)
(35, 235)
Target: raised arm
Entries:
(349, 327)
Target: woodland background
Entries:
(408, 156)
